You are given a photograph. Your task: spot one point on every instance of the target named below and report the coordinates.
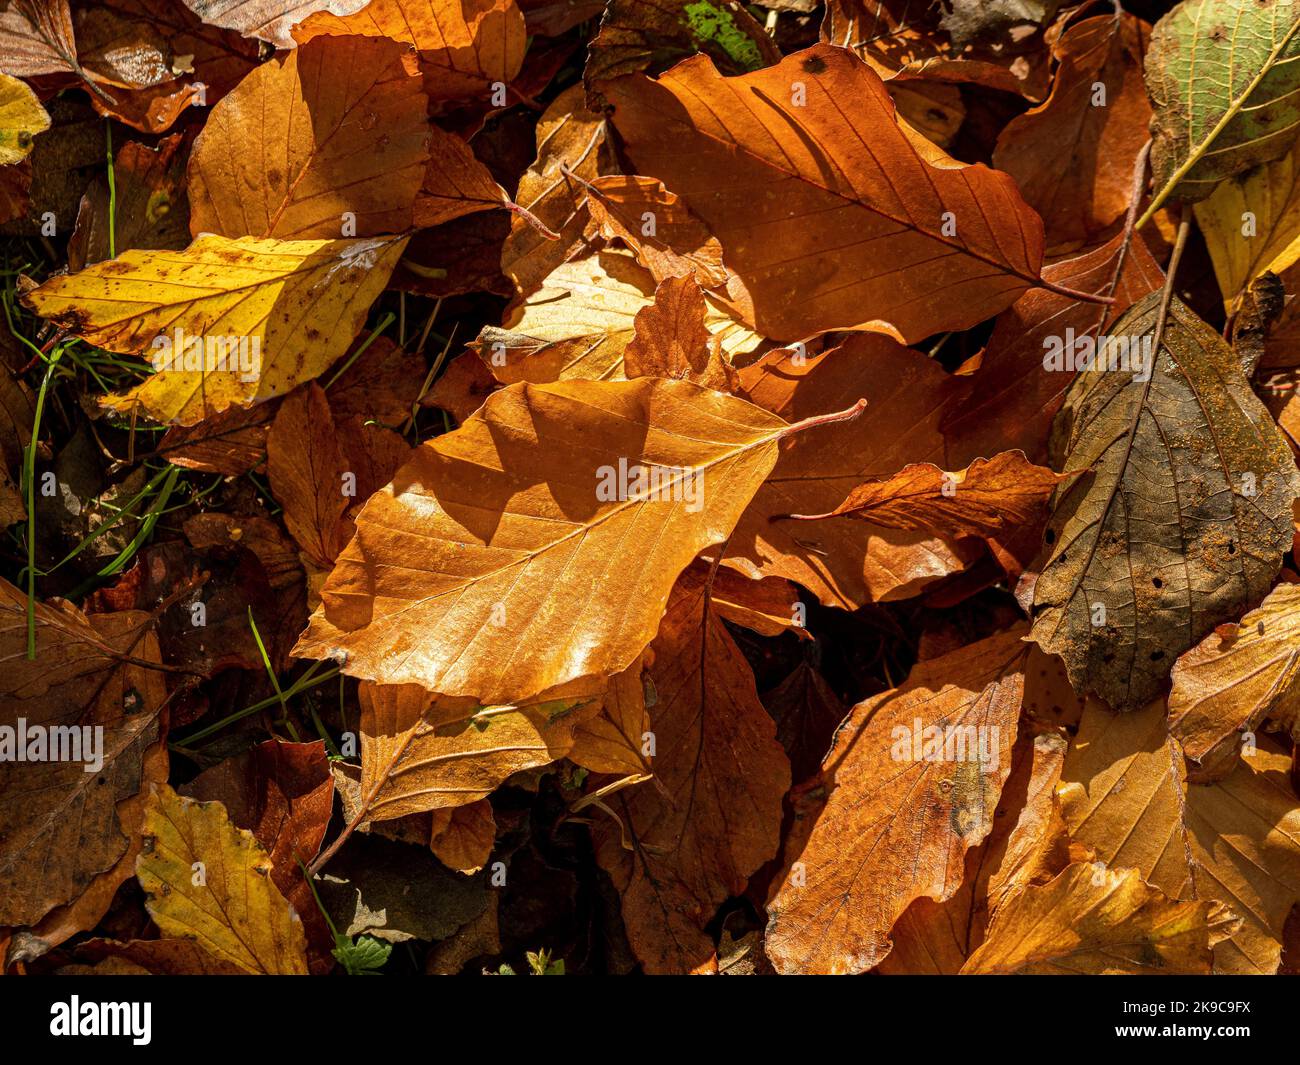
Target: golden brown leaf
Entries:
(836, 204)
(670, 339)
(987, 499)
(463, 836)
(308, 475)
(345, 144)
(712, 815)
(1092, 920)
(1234, 680)
(569, 137)
(667, 238)
(498, 563)
(421, 753)
(912, 782)
(1236, 841)
(845, 562)
(464, 45)
(1027, 846)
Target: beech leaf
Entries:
(900, 814)
(495, 567)
(301, 302)
(836, 203)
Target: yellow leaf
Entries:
(211, 882)
(1092, 920)
(1236, 678)
(268, 314)
(1251, 224)
(21, 118)
(1123, 794)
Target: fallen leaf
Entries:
(1092, 920)
(465, 46)
(1235, 679)
(986, 499)
(1183, 521)
(616, 739)
(571, 138)
(280, 792)
(1073, 155)
(463, 836)
(519, 569)
(1236, 841)
(713, 814)
(1027, 846)
(841, 561)
(912, 783)
(21, 118)
(1250, 225)
(346, 119)
(419, 753)
(670, 339)
(210, 882)
(80, 720)
(301, 302)
(1221, 79)
(149, 205)
(803, 172)
(666, 237)
(309, 475)
(38, 38)
(184, 62)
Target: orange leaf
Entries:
(833, 203)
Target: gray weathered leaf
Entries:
(1183, 521)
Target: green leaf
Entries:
(1224, 80)
(364, 957)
